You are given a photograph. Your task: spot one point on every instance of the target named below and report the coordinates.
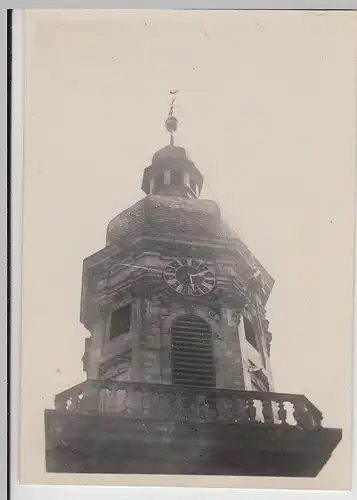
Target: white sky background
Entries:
(267, 113)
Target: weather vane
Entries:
(171, 121)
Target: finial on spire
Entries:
(171, 122)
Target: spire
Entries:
(172, 122)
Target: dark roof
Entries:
(170, 151)
(177, 215)
(169, 158)
(173, 214)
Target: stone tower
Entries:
(175, 297)
(178, 359)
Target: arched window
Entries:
(192, 358)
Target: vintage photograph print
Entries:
(188, 248)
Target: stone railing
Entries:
(159, 401)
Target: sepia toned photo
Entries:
(188, 248)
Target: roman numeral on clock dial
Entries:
(189, 277)
(204, 287)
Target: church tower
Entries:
(175, 297)
(178, 358)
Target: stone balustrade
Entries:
(180, 403)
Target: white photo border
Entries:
(31, 492)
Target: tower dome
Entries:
(171, 171)
(170, 151)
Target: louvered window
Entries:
(192, 352)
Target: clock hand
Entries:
(200, 274)
(203, 272)
(187, 280)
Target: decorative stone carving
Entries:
(265, 323)
(190, 308)
(214, 315)
(268, 337)
(230, 317)
(119, 297)
(146, 307)
(235, 316)
(217, 295)
(163, 296)
(102, 306)
(239, 318)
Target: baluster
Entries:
(171, 398)
(239, 413)
(228, 409)
(111, 399)
(135, 398)
(141, 396)
(282, 413)
(89, 397)
(69, 403)
(219, 408)
(79, 399)
(206, 408)
(224, 409)
(197, 406)
(178, 406)
(146, 402)
(301, 415)
(185, 401)
(317, 418)
(75, 401)
(130, 400)
(122, 400)
(102, 399)
(259, 417)
(201, 407)
(164, 406)
(250, 409)
(213, 410)
(268, 412)
(193, 406)
(155, 398)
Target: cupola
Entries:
(171, 171)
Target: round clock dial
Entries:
(189, 277)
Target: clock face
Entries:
(189, 277)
